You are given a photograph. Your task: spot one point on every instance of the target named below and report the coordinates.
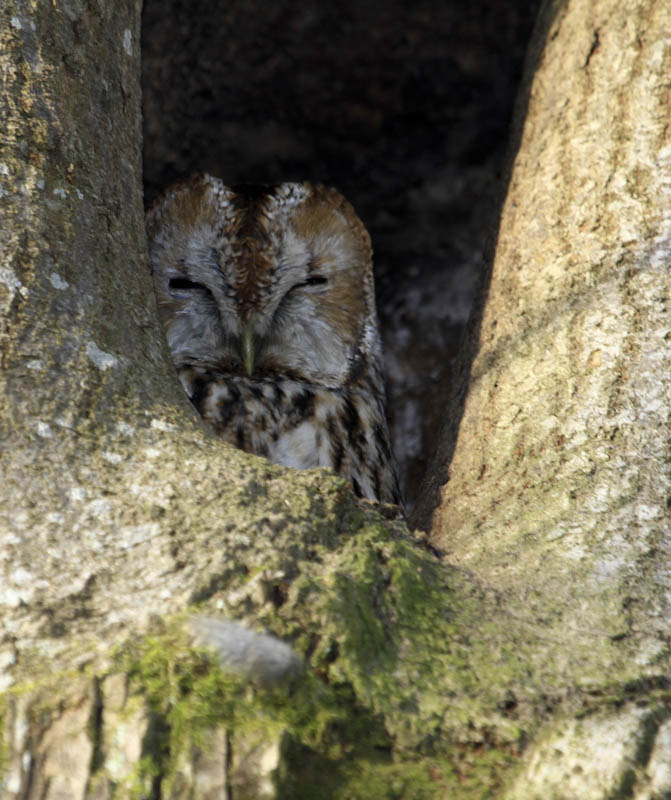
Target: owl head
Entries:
(264, 280)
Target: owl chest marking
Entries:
(300, 426)
(289, 422)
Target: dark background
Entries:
(403, 106)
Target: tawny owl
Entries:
(267, 300)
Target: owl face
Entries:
(264, 280)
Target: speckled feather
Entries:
(267, 299)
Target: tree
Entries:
(557, 496)
(541, 635)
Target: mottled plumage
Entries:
(267, 300)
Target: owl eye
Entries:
(185, 284)
(313, 280)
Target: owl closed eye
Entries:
(267, 300)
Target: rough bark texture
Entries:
(545, 636)
(558, 491)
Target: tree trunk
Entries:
(558, 493)
(545, 629)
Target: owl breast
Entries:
(267, 301)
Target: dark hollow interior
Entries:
(405, 107)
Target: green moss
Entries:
(372, 771)
(192, 695)
(332, 746)
(361, 775)
(388, 676)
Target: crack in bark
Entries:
(96, 731)
(228, 766)
(594, 47)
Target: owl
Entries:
(267, 300)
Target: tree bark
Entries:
(558, 489)
(543, 633)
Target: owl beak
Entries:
(247, 344)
